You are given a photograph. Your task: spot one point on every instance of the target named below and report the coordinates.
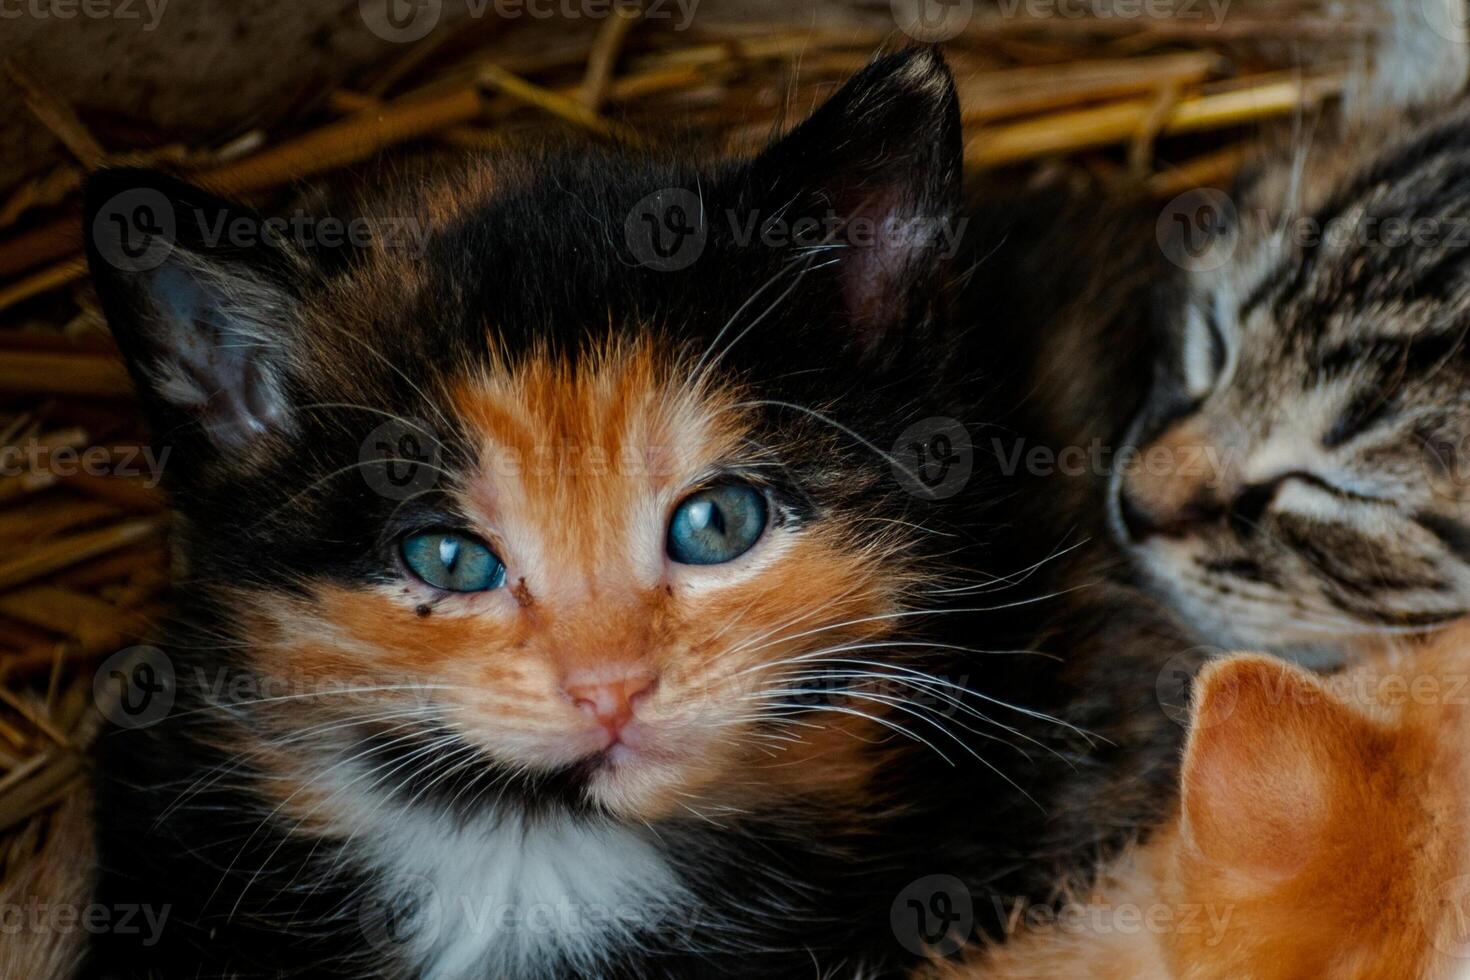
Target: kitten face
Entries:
(592, 600)
(1302, 455)
(542, 610)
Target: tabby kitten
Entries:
(1302, 472)
(550, 605)
(1322, 833)
(1267, 389)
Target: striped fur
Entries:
(1311, 482)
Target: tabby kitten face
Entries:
(1302, 469)
(637, 530)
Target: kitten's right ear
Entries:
(882, 157)
(1268, 744)
(202, 301)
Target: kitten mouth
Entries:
(631, 746)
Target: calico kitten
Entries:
(549, 600)
(1322, 833)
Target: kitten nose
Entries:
(1181, 479)
(609, 699)
(1144, 519)
(1244, 510)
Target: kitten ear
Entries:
(883, 158)
(200, 298)
(1267, 745)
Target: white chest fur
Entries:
(513, 896)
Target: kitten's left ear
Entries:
(883, 157)
(200, 298)
(1270, 744)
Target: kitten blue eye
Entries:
(456, 562)
(717, 525)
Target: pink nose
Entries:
(609, 699)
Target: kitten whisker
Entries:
(328, 692)
(886, 723)
(925, 714)
(882, 454)
(698, 371)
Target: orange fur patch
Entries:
(1324, 827)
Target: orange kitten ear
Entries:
(1267, 743)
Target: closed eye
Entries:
(1204, 353)
(1362, 413)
